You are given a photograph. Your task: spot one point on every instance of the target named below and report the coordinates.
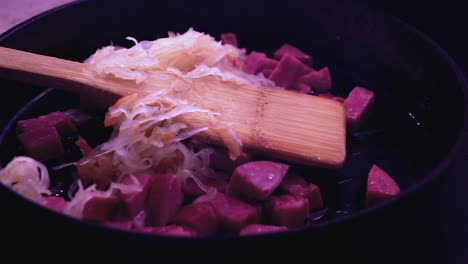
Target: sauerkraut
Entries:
(147, 137)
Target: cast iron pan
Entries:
(414, 132)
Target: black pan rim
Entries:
(438, 170)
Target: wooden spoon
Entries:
(300, 128)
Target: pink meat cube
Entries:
(220, 160)
(164, 200)
(134, 201)
(191, 189)
(358, 106)
(100, 209)
(258, 179)
(293, 184)
(229, 38)
(42, 143)
(288, 70)
(200, 217)
(317, 80)
(314, 196)
(30, 124)
(60, 121)
(380, 186)
(296, 185)
(289, 210)
(258, 62)
(232, 214)
(256, 229)
(55, 203)
(293, 51)
(253, 62)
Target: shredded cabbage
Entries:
(75, 207)
(27, 177)
(193, 54)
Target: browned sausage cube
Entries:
(165, 199)
(358, 106)
(100, 209)
(288, 210)
(380, 186)
(258, 179)
(232, 214)
(256, 229)
(42, 144)
(98, 170)
(200, 217)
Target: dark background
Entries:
(444, 238)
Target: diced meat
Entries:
(288, 210)
(314, 195)
(133, 202)
(42, 143)
(293, 51)
(60, 121)
(171, 230)
(200, 216)
(331, 96)
(293, 184)
(123, 225)
(98, 170)
(317, 80)
(191, 189)
(258, 62)
(258, 179)
(302, 88)
(100, 209)
(253, 62)
(358, 106)
(296, 185)
(220, 160)
(55, 203)
(380, 185)
(165, 199)
(30, 124)
(229, 38)
(232, 213)
(256, 229)
(288, 70)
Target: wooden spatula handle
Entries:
(292, 126)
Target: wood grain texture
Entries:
(304, 129)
